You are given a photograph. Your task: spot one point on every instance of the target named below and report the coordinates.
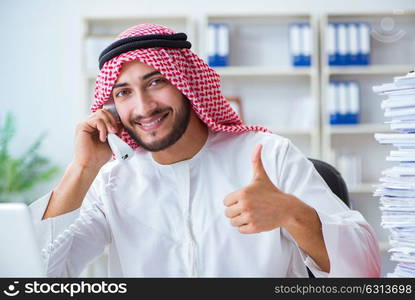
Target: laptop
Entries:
(19, 252)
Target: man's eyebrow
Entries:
(144, 77)
(121, 84)
(148, 75)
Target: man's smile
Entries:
(153, 122)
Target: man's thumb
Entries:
(257, 166)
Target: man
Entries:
(203, 195)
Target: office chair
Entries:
(335, 182)
(333, 179)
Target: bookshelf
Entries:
(262, 76)
(388, 58)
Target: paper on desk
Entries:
(397, 184)
(396, 138)
(399, 112)
(394, 103)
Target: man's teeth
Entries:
(151, 123)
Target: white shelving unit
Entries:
(261, 75)
(388, 59)
(366, 70)
(357, 129)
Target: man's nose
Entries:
(144, 104)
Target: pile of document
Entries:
(300, 44)
(397, 184)
(218, 45)
(344, 102)
(348, 44)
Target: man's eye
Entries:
(157, 81)
(122, 93)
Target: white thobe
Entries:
(169, 220)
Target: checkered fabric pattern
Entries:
(185, 70)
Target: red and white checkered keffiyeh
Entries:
(185, 70)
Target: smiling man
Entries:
(204, 195)
(158, 113)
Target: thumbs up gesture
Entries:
(260, 206)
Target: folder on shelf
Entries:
(397, 187)
(300, 36)
(364, 44)
(211, 44)
(334, 105)
(331, 42)
(218, 45)
(295, 44)
(344, 102)
(306, 37)
(348, 43)
(353, 39)
(223, 45)
(343, 45)
(354, 103)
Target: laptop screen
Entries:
(19, 251)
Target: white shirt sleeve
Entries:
(350, 241)
(70, 241)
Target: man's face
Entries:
(154, 112)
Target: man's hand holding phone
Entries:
(95, 141)
(91, 147)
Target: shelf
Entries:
(363, 14)
(249, 71)
(368, 70)
(264, 71)
(363, 188)
(113, 19)
(261, 16)
(357, 129)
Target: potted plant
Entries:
(18, 175)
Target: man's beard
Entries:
(179, 127)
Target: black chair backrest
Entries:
(333, 179)
(336, 183)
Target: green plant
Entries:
(19, 175)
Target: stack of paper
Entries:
(397, 187)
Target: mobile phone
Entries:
(121, 149)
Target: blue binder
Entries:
(218, 45)
(300, 44)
